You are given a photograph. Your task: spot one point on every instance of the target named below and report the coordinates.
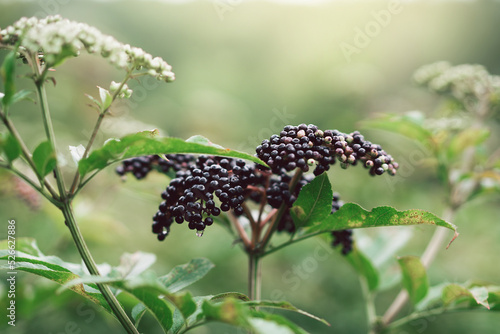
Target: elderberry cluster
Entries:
(191, 195)
(304, 145)
(141, 166)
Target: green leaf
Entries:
(44, 158)
(243, 314)
(30, 259)
(159, 307)
(138, 312)
(455, 294)
(314, 202)
(21, 96)
(184, 275)
(265, 323)
(7, 71)
(415, 279)
(364, 267)
(229, 311)
(283, 305)
(106, 98)
(234, 295)
(410, 125)
(10, 146)
(351, 216)
(146, 143)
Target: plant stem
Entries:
(371, 314)
(65, 206)
(254, 276)
(92, 268)
(87, 149)
(49, 131)
(97, 125)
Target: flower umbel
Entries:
(58, 39)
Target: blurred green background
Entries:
(244, 70)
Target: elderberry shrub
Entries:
(305, 145)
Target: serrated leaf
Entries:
(44, 158)
(146, 143)
(106, 98)
(51, 268)
(314, 202)
(283, 305)
(415, 279)
(10, 146)
(184, 275)
(7, 71)
(351, 216)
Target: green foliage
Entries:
(351, 216)
(314, 202)
(9, 146)
(415, 279)
(146, 143)
(174, 310)
(44, 158)
(364, 267)
(314, 217)
(30, 259)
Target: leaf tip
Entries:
(454, 237)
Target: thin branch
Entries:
(241, 231)
(281, 211)
(97, 125)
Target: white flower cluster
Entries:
(59, 38)
(461, 81)
(124, 93)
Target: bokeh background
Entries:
(244, 70)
